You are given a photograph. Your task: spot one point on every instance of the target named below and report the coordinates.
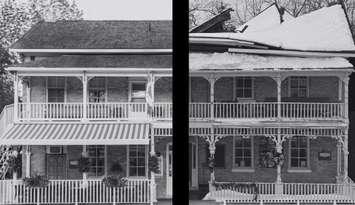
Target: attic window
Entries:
(32, 58)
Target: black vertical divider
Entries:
(180, 102)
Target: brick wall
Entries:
(321, 171)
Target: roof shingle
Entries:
(83, 34)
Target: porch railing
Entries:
(284, 191)
(95, 111)
(74, 192)
(267, 110)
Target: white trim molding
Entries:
(121, 51)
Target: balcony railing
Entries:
(75, 192)
(268, 110)
(94, 111)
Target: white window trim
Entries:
(105, 164)
(289, 85)
(146, 163)
(130, 87)
(235, 98)
(244, 169)
(65, 88)
(303, 169)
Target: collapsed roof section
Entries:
(270, 17)
(326, 29)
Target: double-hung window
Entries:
(299, 152)
(137, 160)
(97, 87)
(243, 152)
(96, 155)
(138, 91)
(243, 87)
(56, 89)
(298, 86)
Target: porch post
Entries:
(85, 90)
(346, 98)
(16, 97)
(212, 149)
(84, 154)
(28, 161)
(346, 155)
(28, 99)
(338, 178)
(152, 174)
(278, 81)
(212, 81)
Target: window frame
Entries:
(244, 169)
(308, 149)
(290, 88)
(105, 162)
(235, 98)
(104, 88)
(64, 88)
(145, 164)
(131, 82)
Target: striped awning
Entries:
(77, 134)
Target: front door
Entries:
(193, 165)
(56, 168)
(169, 170)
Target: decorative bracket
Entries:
(212, 140)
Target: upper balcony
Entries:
(268, 98)
(67, 98)
(94, 111)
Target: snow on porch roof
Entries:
(230, 61)
(325, 29)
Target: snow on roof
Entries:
(230, 61)
(268, 18)
(325, 29)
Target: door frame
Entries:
(169, 183)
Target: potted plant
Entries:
(15, 164)
(116, 179)
(36, 181)
(153, 164)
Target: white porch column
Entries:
(212, 80)
(16, 97)
(84, 154)
(28, 161)
(153, 186)
(28, 98)
(149, 97)
(338, 161)
(346, 98)
(340, 89)
(346, 155)
(85, 90)
(278, 80)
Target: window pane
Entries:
(137, 160)
(247, 82)
(247, 93)
(242, 152)
(294, 162)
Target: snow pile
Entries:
(232, 61)
(268, 18)
(325, 29)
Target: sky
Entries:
(126, 9)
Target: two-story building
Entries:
(98, 89)
(269, 111)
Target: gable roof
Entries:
(325, 29)
(271, 16)
(213, 24)
(84, 34)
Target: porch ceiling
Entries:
(77, 134)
